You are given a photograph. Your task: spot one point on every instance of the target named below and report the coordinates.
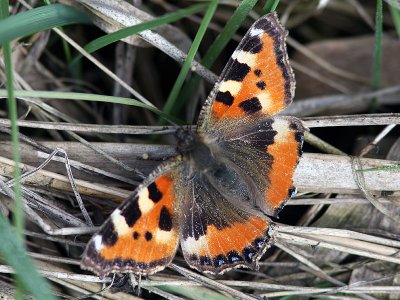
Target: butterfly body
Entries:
(231, 173)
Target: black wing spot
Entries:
(224, 97)
(136, 235)
(148, 236)
(264, 24)
(193, 257)
(293, 126)
(154, 193)
(257, 72)
(253, 45)
(131, 212)
(298, 136)
(238, 71)
(165, 222)
(251, 105)
(205, 261)
(259, 243)
(234, 257)
(261, 136)
(109, 235)
(249, 253)
(220, 260)
(261, 85)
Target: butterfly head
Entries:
(186, 139)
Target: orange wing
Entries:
(257, 80)
(240, 115)
(217, 235)
(265, 155)
(142, 235)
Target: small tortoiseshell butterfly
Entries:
(231, 173)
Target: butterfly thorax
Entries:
(197, 149)
(204, 158)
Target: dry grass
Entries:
(80, 159)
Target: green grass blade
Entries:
(217, 46)
(270, 6)
(123, 33)
(91, 97)
(12, 114)
(169, 105)
(12, 249)
(388, 168)
(13, 252)
(395, 12)
(39, 19)
(226, 34)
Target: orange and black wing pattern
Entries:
(238, 168)
(241, 113)
(215, 234)
(142, 235)
(257, 79)
(265, 155)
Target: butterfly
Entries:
(231, 173)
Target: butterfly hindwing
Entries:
(142, 235)
(257, 80)
(264, 155)
(216, 235)
(286, 152)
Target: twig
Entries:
(377, 139)
(359, 178)
(122, 14)
(310, 122)
(60, 182)
(317, 271)
(315, 173)
(70, 177)
(351, 246)
(320, 77)
(325, 64)
(162, 293)
(333, 201)
(352, 120)
(337, 233)
(318, 105)
(321, 144)
(210, 283)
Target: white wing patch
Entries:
(230, 86)
(245, 57)
(119, 223)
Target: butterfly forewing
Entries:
(142, 235)
(257, 79)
